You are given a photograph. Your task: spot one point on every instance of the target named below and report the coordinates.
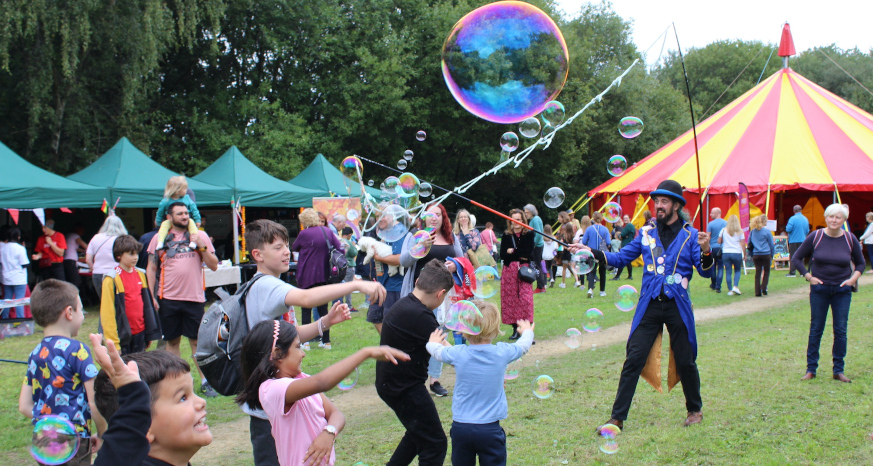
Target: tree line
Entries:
(286, 79)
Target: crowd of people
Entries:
(144, 404)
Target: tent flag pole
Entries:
(693, 125)
(233, 213)
(637, 213)
(767, 202)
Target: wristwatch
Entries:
(330, 429)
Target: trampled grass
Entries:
(756, 411)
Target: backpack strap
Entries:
(243, 293)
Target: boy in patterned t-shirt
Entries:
(60, 371)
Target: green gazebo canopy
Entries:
(139, 181)
(254, 186)
(328, 181)
(26, 186)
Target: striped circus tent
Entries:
(788, 139)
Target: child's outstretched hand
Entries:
(339, 312)
(387, 353)
(439, 337)
(110, 361)
(319, 450)
(524, 325)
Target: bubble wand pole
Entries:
(693, 127)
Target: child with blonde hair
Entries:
(177, 191)
(479, 399)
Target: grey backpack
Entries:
(219, 341)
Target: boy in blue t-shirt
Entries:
(392, 284)
(60, 370)
(480, 399)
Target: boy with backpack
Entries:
(268, 298)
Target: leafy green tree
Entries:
(815, 65)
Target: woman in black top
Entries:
(516, 296)
(836, 262)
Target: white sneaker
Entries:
(736, 290)
(602, 294)
(577, 285)
(590, 293)
(730, 293)
(561, 285)
(305, 347)
(324, 345)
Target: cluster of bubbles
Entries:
(54, 440)
(573, 338)
(554, 197)
(543, 386)
(608, 434)
(463, 316)
(487, 282)
(503, 62)
(350, 380)
(626, 298)
(592, 320)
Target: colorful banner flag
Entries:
(346, 206)
(105, 207)
(744, 210)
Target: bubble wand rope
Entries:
(700, 192)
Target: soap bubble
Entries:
(543, 387)
(408, 154)
(626, 298)
(553, 113)
(401, 164)
(425, 189)
(393, 224)
(592, 320)
(390, 184)
(419, 249)
(553, 198)
(54, 440)
(608, 433)
(487, 282)
(350, 380)
(427, 219)
(548, 129)
(509, 141)
(584, 261)
(463, 316)
(370, 183)
(407, 185)
(630, 127)
(421, 135)
(573, 338)
(351, 166)
(513, 369)
(529, 128)
(616, 165)
(504, 61)
(611, 212)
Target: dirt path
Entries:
(230, 436)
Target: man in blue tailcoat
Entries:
(671, 250)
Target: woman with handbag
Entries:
(516, 291)
(443, 244)
(761, 249)
(313, 245)
(471, 241)
(836, 261)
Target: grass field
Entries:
(756, 411)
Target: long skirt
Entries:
(516, 296)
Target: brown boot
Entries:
(808, 376)
(614, 422)
(694, 417)
(842, 378)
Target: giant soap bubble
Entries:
(505, 61)
(393, 223)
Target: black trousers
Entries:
(762, 273)
(537, 263)
(640, 343)
(263, 444)
(71, 272)
(600, 268)
(56, 271)
(424, 435)
(306, 315)
(487, 441)
(792, 248)
(630, 271)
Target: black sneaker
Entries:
(438, 389)
(207, 390)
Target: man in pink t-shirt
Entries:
(175, 275)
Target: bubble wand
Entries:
(700, 192)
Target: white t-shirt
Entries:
(265, 301)
(731, 243)
(14, 258)
(549, 249)
(72, 251)
(100, 248)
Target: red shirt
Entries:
(47, 251)
(132, 299)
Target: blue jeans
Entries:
(732, 260)
(839, 299)
(718, 272)
(13, 292)
(487, 441)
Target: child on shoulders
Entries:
(60, 371)
(177, 191)
(480, 400)
(305, 423)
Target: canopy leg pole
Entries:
(644, 207)
(767, 204)
(235, 232)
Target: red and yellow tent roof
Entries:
(785, 133)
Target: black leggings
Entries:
(601, 268)
(630, 271)
(551, 268)
(306, 316)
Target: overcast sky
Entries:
(847, 23)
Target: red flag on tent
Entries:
(14, 214)
(105, 207)
(786, 45)
(66, 210)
